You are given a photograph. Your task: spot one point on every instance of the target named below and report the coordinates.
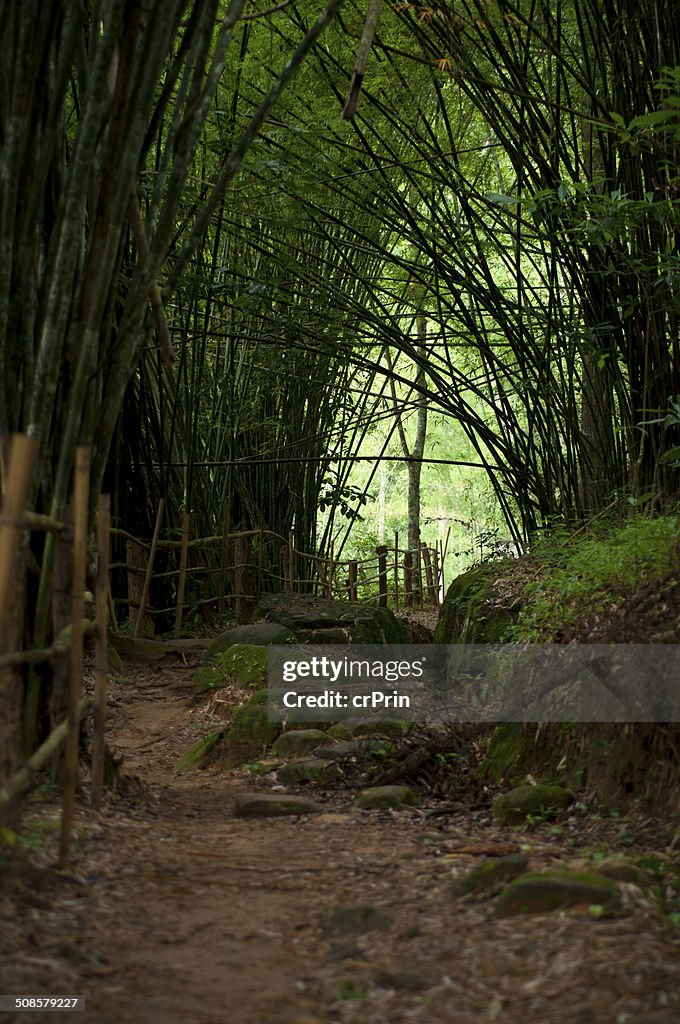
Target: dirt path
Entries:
(175, 911)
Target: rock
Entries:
(250, 732)
(622, 869)
(344, 750)
(491, 873)
(512, 807)
(308, 769)
(298, 742)
(208, 679)
(260, 634)
(306, 614)
(352, 727)
(355, 920)
(543, 891)
(246, 664)
(274, 805)
(471, 612)
(380, 797)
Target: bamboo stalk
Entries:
(149, 567)
(22, 781)
(186, 525)
(81, 490)
(352, 581)
(21, 458)
(382, 575)
(101, 663)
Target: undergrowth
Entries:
(581, 573)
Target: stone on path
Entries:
(259, 634)
(298, 742)
(540, 892)
(381, 797)
(274, 805)
(513, 807)
(350, 728)
(308, 769)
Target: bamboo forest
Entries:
(339, 511)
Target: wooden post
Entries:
(352, 581)
(437, 581)
(291, 560)
(149, 567)
(80, 517)
(396, 571)
(408, 579)
(260, 564)
(419, 574)
(101, 661)
(429, 576)
(382, 575)
(226, 526)
(285, 567)
(181, 584)
(21, 457)
(331, 566)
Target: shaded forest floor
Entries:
(176, 911)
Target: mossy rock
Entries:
(541, 892)
(306, 615)
(512, 807)
(299, 742)
(113, 658)
(208, 678)
(308, 769)
(351, 728)
(246, 664)
(250, 732)
(383, 797)
(491, 873)
(470, 612)
(260, 634)
(274, 805)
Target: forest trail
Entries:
(176, 911)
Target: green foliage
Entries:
(582, 573)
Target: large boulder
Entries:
(260, 634)
(541, 892)
(473, 611)
(251, 732)
(320, 620)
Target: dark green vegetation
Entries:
(221, 286)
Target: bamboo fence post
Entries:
(21, 458)
(330, 574)
(419, 573)
(396, 571)
(260, 564)
(381, 551)
(428, 573)
(149, 566)
(81, 492)
(435, 569)
(285, 564)
(291, 560)
(408, 579)
(226, 526)
(352, 581)
(101, 663)
(181, 585)
(112, 607)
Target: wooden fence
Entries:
(15, 519)
(248, 563)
